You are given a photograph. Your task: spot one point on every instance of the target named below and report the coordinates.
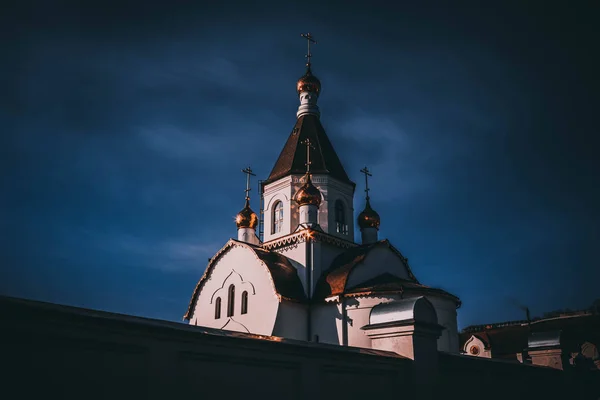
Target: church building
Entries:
(307, 278)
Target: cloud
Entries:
(175, 255)
(413, 158)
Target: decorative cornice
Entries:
(303, 235)
(391, 292)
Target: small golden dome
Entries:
(368, 218)
(246, 218)
(308, 83)
(308, 194)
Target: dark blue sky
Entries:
(124, 127)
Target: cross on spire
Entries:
(367, 173)
(309, 39)
(309, 146)
(248, 172)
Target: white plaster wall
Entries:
(326, 322)
(334, 190)
(285, 188)
(358, 310)
(239, 266)
(279, 190)
(379, 260)
(446, 313)
(296, 253)
(322, 256)
(291, 320)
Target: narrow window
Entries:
(244, 302)
(277, 217)
(218, 308)
(231, 301)
(340, 218)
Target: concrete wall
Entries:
(62, 352)
(59, 352)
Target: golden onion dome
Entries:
(308, 194)
(308, 83)
(368, 218)
(246, 218)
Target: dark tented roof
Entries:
(324, 159)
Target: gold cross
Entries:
(367, 173)
(309, 39)
(248, 172)
(309, 146)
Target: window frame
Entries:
(218, 308)
(244, 309)
(339, 215)
(231, 300)
(277, 215)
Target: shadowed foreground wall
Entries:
(55, 351)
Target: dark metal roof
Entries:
(324, 159)
(388, 283)
(285, 277)
(333, 281)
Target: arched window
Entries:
(231, 301)
(277, 217)
(340, 218)
(244, 302)
(218, 308)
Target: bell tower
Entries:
(334, 214)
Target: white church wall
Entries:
(296, 253)
(378, 261)
(284, 190)
(358, 311)
(291, 320)
(336, 190)
(279, 190)
(326, 322)
(322, 254)
(239, 267)
(446, 313)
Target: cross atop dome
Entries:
(367, 173)
(308, 82)
(309, 39)
(247, 218)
